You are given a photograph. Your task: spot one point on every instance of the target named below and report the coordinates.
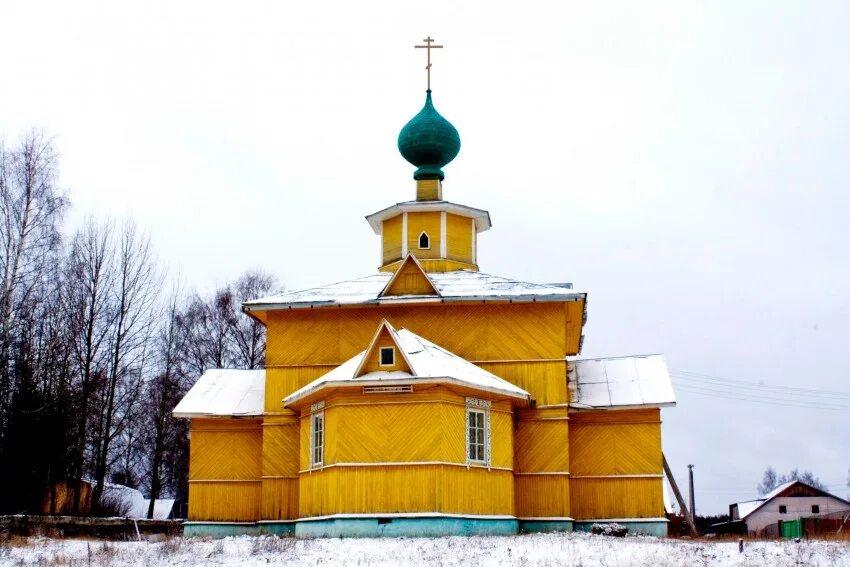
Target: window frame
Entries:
(482, 436)
(815, 508)
(317, 448)
(783, 509)
(381, 351)
(419, 240)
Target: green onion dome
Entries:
(429, 142)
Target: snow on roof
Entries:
(620, 382)
(462, 285)
(479, 216)
(429, 363)
(747, 508)
(225, 392)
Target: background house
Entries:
(789, 501)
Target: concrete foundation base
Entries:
(653, 527)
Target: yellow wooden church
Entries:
(428, 398)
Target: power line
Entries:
(755, 398)
(758, 385)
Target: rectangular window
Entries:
(783, 509)
(477, 436)
(387, 356)
(815, 509)
(317, 439)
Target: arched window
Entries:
(424, 241)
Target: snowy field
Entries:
(571, 549)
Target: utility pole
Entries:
(691, 489)
(684, 507)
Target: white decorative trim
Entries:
(478, 403)
(403, 234)
(419, 241)
(318, 406)
(547, 518)
(443, 246)
(314, 464)
(471, 465)
(616, 476)
(632, 520)
(401, 389)
(404, 515)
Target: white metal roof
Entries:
(429, 363)
(479, 216)
(630, 381)
(225, 392)
(461, 285)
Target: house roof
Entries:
(225, 392)
(479, 216)
(429, 363)
(747, 508)
(461, 285)
(621, 382)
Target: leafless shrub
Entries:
(171, 546)
(264, 545)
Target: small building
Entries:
(789, 501)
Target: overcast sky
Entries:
(684, 163)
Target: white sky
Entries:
(685, 163)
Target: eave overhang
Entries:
(479, 216)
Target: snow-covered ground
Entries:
(564, 549)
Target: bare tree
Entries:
(134, 297)
(31, 209)
(249, 335)
(87, 304)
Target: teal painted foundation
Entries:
(544, 526)
(219, 530)
(404, 527)
(656, 528)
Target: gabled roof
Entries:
(621, 382)
(384, 329)
(225, 392)
(429, 364)
(479, 216)
(410, 268)
(747, 508)
(461, 285)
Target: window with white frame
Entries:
(317, 439)
(424, 241)
(478, 431)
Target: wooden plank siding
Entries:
(427, 425)
(225, 465)
(391, 238)
(406, 488)
(428, 222)
(477, 332)
(615, 464)
(459, 238)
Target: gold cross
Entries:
(428, 41)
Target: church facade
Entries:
(428, 398)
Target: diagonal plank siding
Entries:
(415, 488)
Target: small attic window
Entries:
(387, 356)
(424, 241)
